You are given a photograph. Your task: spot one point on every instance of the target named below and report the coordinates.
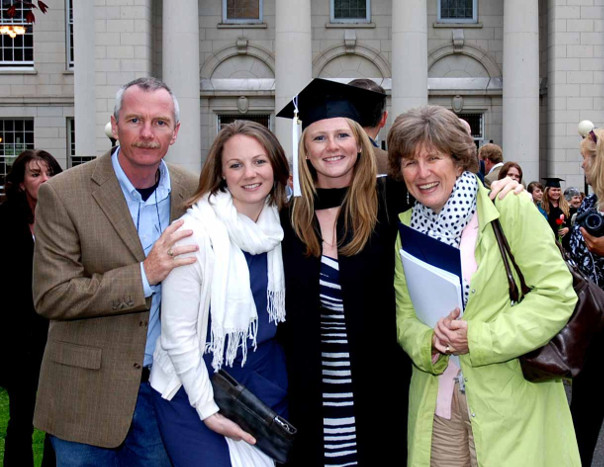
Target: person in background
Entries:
(374, 117)
(536, 191)
(481, 169)
(573, 197)
(478, 409)
(512, 170)
(587, 250)
(492, 155)
(574, 200)
(557, 209)
(22, 331)
(223, 310)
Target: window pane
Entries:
(71, 152)
(347, 9)
(230, 118)
(71, 136)
(475, 121)
(243, 9)
(456, 9)
(17, 51)
(16, 135)
(69, 32)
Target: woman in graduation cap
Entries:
(557, 209)
(348, 378)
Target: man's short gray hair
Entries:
(147, 84)
(570, 192)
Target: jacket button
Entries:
(473, 290)
(137, 366)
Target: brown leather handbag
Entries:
(563, 356)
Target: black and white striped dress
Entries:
(339, 427)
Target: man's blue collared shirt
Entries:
(150, 217)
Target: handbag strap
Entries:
(506, 251)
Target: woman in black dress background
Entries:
(557, 209)
(22, 331)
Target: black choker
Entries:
(330, 197)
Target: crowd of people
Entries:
(152, 280)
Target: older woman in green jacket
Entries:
(478, 409)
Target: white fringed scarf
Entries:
(232, 309)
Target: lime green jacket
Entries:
(514, 422)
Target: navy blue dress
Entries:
(188, 441)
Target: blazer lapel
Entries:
(177, 194)
(108, 194)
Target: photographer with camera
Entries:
(587, 249)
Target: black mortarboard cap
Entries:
(323, 99)
(553, 182)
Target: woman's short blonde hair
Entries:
(435, 126)
(593, 147)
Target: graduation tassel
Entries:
(295, 139)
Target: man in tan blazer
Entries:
(373, 120)
(103, 245)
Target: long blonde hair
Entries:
(562, 203)
(360, 205)
(595, 150)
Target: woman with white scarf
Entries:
(477, 409)
(223, 310)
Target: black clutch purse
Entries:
(274, 435)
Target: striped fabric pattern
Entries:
(339, 427)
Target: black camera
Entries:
(592, 221)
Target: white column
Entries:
(521, 85)
(293, 59)
(574, 85)
(180, 59)
(84, 41)
(409, 55)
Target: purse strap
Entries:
(506, 251)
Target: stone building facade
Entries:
(524, 72)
